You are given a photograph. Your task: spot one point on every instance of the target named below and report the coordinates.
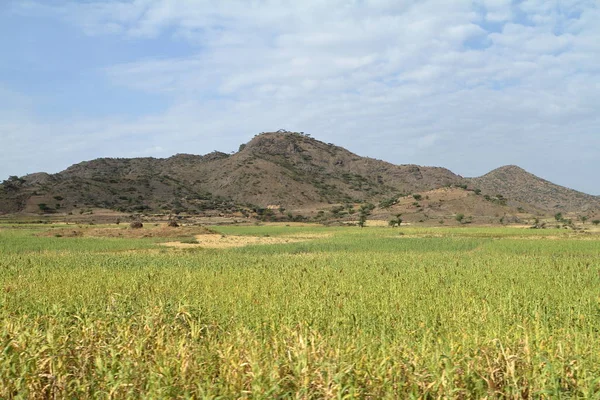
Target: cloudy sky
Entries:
(468, 85)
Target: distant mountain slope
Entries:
(516, 184)
(280, 169)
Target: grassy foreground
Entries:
(359, 313)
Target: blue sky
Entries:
(468, 85)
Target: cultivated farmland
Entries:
(319, 313)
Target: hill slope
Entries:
(518, 185)
(287, 169)
(284, 169)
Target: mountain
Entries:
(277, 169)
(518, 185)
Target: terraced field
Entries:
(318, 313)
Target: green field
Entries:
(355, 313)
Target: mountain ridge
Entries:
(284, 169)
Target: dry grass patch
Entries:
(161, 231)
(223, 242)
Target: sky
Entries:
(467, 85)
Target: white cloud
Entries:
(407, 81)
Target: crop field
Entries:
(321, 312)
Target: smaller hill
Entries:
(517, 185)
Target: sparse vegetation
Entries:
(309, 173)
(388, 202)
(13, 183)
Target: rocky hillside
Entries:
(282, 168)
(277, 169)
(517, 185)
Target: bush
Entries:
(173, 224)
(558, 216)
(395, 221)
(596, 222)
(136, 225)
(538, 224)
(364, 212)
(388, 202)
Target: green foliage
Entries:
(558, 216)
(362, 220)
(12, 183)
(388, 202)
(459, 217)
(417, 197)
(44, 207)
(363, 213)
(596, 222)
(498, 199)
(397, 221)
(337, 210)
(367, 206)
